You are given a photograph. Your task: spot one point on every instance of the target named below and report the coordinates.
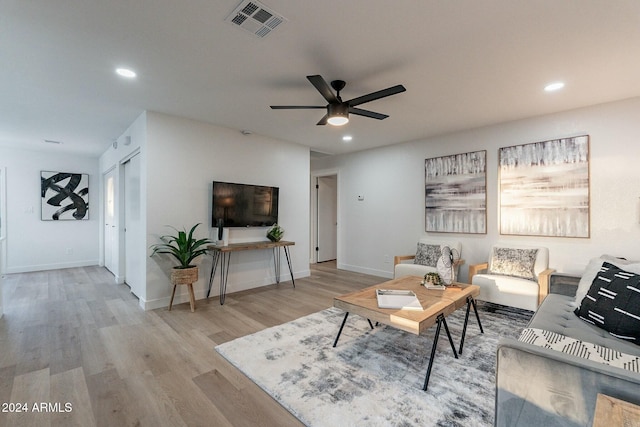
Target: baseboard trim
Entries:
(57, 266)
(365, 270)
(182, 294)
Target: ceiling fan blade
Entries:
(376, 95)
(367, 113)
(325, 90)
(296, 107)
(323, 121)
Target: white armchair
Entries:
(517, 276)
(428, 254)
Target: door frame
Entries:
(313, 230)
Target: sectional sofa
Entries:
(540, 384)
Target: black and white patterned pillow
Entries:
(613, 303)
(427, 254)
(514, 262)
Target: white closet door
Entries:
(133, 226)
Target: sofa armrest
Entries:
(540, 386)
(543, 284)
(399, 258)
(475, 269)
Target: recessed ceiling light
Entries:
(553, 86)
(125, 72)
(347, 138)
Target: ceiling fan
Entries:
(337, 109)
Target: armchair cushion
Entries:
(508, 290)
(427, 254)
(513, 262)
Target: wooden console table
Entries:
(222, 255)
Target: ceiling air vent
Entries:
(256, 18)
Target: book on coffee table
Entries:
(398, 299)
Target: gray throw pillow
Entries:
(427, 254)
(514, 262)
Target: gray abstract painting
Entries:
(544, 188)
(456, 193)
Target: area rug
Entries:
(375, 377)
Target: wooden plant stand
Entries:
(184, 276)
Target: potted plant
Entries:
(431, 279)
(184, 248)
(275, 233)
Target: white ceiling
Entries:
(465, 64)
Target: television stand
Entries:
(222, 255)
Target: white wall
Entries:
(391, 218)
(33, 244)
(183, 158)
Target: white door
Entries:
(132, 226)
(110, 230)
(327, 187)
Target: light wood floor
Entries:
(73, 336)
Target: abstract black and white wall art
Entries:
(544, 188)
(456, 193)
(65, 196)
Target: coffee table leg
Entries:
(464, 327)
(370, 324)
(341, 326)
(441, 321)
(446, 328)
(433, 352)
(477, 316)
(470, 302)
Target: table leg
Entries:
(215, 256)
(288, 255)
(441, 321)
(470, 302)
(224, 275)
(473, 301)
(276, 263)
(446, 328)
(341, 326)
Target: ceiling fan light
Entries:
(338, 120)
(338, 114)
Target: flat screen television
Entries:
(243, 205)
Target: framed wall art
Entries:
(456, 193)
(64, 195)
(544, 188)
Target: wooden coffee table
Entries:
(437, 305)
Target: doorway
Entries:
(110, 228)
(326, 218)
